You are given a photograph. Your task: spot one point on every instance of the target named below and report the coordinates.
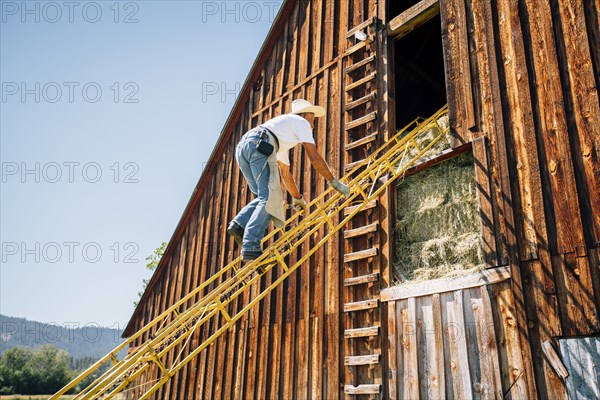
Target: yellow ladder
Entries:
(171, 332)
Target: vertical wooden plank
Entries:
(430, 376)
(302, 350)
(401, 311)
(304, 40)
(250, 376)
(410, 351)
(221, 345)
(491, 120)
(239, 383)
(275, 361)
(317, 271)
(393, 351)
(332, 334)
(343, 25)
(473, 354)
(583, 109)
(529, 210)
(329, 37)
(263, 365)
(333, 250)
(484, 199)
(592, 15)
(332, 124)
(317, 10)
(456, 64)
(594, 260)
(288, 361)
(457, 376)
(316, 357)
(438, 351)
(475, 307)
(552, 132)
(511, 359)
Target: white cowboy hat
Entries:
(300, 106)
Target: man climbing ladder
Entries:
(261, 154)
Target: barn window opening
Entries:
(420, 88)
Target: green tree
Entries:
(40, 371)
(153, 260)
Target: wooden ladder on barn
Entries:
(362, 319)
(165, 344)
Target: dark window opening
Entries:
(420, 88)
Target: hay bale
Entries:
(438, 224)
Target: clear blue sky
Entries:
(148, 133)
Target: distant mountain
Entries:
(88, 341)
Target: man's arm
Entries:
(317, 161)
(288, 179)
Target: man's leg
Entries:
(242, 218)
(257, 224)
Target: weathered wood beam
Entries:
(412, 18)
(485, 277)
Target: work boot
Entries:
(236, 231)
(249, 256)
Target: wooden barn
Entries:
(520, 80)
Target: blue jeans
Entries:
(253, 217)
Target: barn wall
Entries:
(522, 83)
(289, 345)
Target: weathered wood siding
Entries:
(290, 345)
(522, 82)
(456, 344)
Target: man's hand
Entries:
(300, 205)
(340, 187)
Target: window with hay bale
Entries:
(437, 226)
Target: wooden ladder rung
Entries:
(362, 81)
(362, 360)
(359, 64)
(359, 280)
(371, 204)
(361, 255)
(365, 99)
(361, 142)
(352, 165)
(362, 389)
(358, 46)
(359, 27)
(361, 332)
(363, 230)
(361, 305)
(361, 121)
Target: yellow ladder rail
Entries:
(176, 325)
